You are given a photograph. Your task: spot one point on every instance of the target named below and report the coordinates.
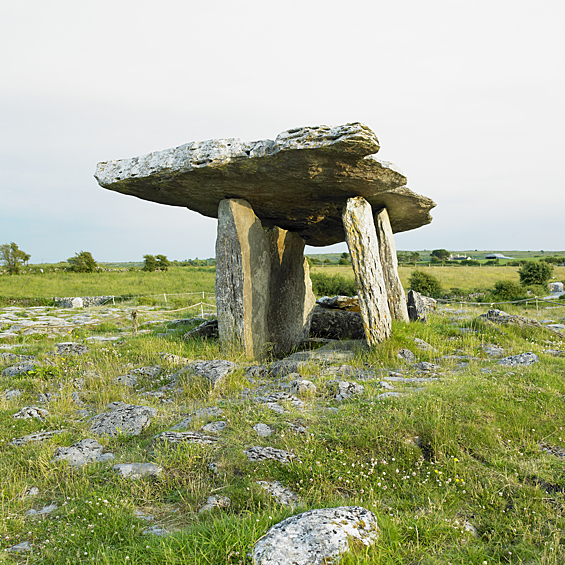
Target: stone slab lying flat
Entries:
(299, 182)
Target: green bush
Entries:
(328, 285)
(82, 262)
(535, 272)
(507, 290)
(424, 283)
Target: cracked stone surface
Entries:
(137, 470)
(213, 371)
(277, 490)
(125, 419)
(215, 502)
(28, 412)
(521, 359)
(176, 438)
(40, 436)
(19, 369)
(316, 537)
(83, 452)
(263, 430)
(258, 453)
(318, 167)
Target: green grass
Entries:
(465, 449)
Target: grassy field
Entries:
(454, 469)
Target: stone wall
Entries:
(87, 301)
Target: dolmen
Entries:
(312, 185)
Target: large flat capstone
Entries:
(300, 182)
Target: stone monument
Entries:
(311, 185)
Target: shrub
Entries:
(425, 284)
(535, 272)
(82, 262)
(328, 285)
(150, 263)
(507, 290)
(162, 262)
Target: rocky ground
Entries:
(151, 448)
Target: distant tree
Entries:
(414, 257)
(424, 284)
(441, 254)
(150, 263)
(162, 262)
(535, 272)
(13, 257)
(344, 259)
(82, 262)
(508, 290)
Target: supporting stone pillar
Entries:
(263, 290)
(291, 300)
(361, 238)
(389, 262)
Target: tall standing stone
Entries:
(263, 290)
(242, 278)
(291, 299)
(389, 263)
(361, 237)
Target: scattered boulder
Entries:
(263, 430)
(156, 531)
(492, 350)
(336, 324)
(202, 413)
(406, 355)
(345, 389)
(423, 345)
(12, 394)
(348, 303)
(258, 453)
(20, 369)
(77, 302)
(419, 306)
(316, 536)
(206, 330)
(302, 386)
(71, 348)
(427, 367)
(28, 412)
(81, 453)
(177, 438)
(277, 490)
(43, 512)
(555, 352)
(40, 436)
(137, 470)
(213, 371)
(214, 427)
(215, 502)
(521, 359)
(124, 419)
(174, 359)
(20, 547)
(151, 372)
(126, 380)
(275, 397)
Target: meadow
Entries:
(464, 469)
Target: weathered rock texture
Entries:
(299, 182)
(316, 537)
(263, 289)
(389, 262)
(362, 241)
(336, 324)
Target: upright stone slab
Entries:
(242, 278)
(389, 263)
(291, 299)
(361, 237)
(263, 289)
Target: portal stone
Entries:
(389, 262)
(263, 290)
(361, 237)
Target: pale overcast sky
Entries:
(467, 98)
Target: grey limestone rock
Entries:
(302, 386)
(417, 309)
(12, 394)
(19, 369)
(202, 413)
(363, 244)
(40, 436)
(277, 490)
(28, 412)
(258, 453)
(81, 453)
(42, 512)
(152, 372)
(214, 427)
(71, 348)
(263, 430)
(316, 537)
(406, 355)
(423, 345)
(124, 419)
(177, 438)
(319, 168)
(207, 329)
(332, 323)
(156, 531)
(213, 371)
(20, 547)
(347, 390)
(340, 302)
(282, 396)
(521, 359)
(492, 350)
(126, 380)
(137, 470)
(174, 359)
(215, 502)
(427, 367)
